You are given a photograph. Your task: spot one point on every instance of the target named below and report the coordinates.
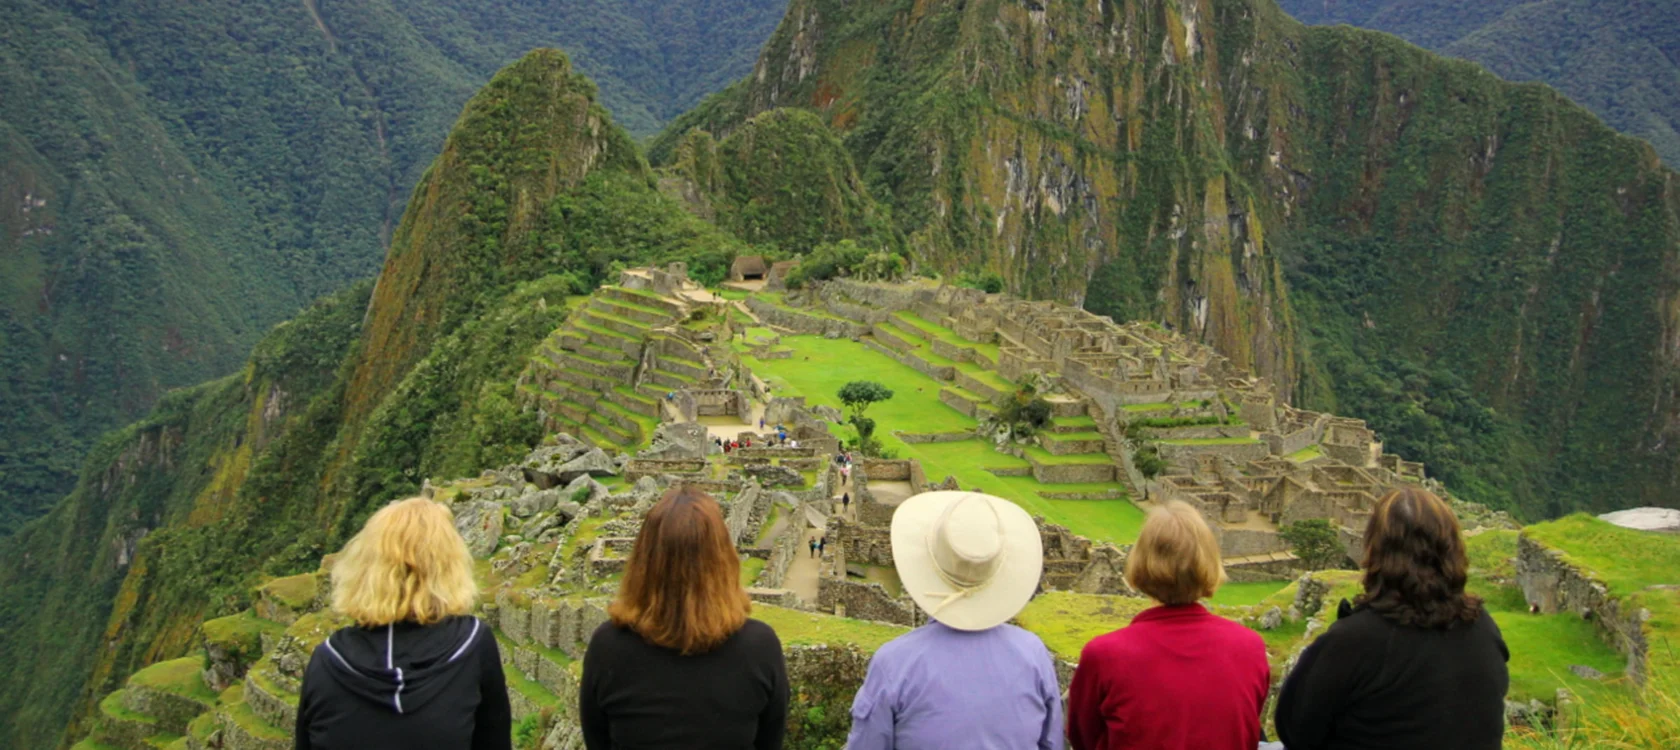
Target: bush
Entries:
(1314, 542)
(989, 282)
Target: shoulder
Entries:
(1115, 644)
(1022, 640)
(1363, 628)
(755, 633)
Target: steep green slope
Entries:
(126, 266)
(204, 169)
(1481, 267)
(1617, 58)
(535, 195)
(781, 178)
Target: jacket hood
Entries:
(402, 666)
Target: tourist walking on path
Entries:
(822, 544)
(416, 669)
(1418, 662)
(965, 679)
(813, 542)
(1178, 676)
(680, 664)
(845, 502)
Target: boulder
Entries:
(596, 490)
(830, 414)
(1646, 519)
(542, 467)
(532, 503)
(678, 440)
(480, 524)
(1272, 619)
(595, 463)
(646, 486)
(1585, 672)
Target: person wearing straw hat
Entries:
(966, 679)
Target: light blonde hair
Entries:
(408, 564)
(1176, 559)
(682, 586)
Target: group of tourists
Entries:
(818, 545)
(730, 446)
(1417, 663)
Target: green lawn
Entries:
(1543, 647)
(732, 294)
(1046, 458)
(1625, 559)
(1240, 594)
(820, 366)
(989, 351)
(1306, 454)
(750, 568)
(183, 676)
(798, 628)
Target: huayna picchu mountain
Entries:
(1481, 269)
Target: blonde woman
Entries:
(416, 669)
(1179, 676)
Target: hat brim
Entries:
(1001, 598)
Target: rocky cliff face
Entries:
(1303, 199)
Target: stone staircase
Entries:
(603, 374)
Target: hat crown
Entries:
(967, 543)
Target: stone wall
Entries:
(1553, 585)
(805, 322)
(1238, 452)
(786, 548)
(883, 469)
(915, 438)
(1352, 455)
(1245, 542)
(636, 468)
(1073, 473)
(865, 601)
(864, 545)
(747, 513)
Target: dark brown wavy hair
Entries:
(682, 586)
(1415, 566)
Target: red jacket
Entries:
(1177, 678)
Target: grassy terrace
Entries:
(820, 366)
(1047, 458)
(908, 318)
(811, 628)
(1306, 454)
(1624, 559)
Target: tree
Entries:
(1314, 541)
(1024, 412)
(857, 396)
(1149, 463)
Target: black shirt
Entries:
(1370, 684)
(406, 686)
(638, 696)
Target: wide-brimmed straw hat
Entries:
(969, 560)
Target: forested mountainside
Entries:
(1618, 58)
(176, 178)
(1481, 269)
(535, 195)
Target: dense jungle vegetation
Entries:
(1618, 58)
(174, 179)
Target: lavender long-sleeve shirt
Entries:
(936, 687)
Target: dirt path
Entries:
(803, 573)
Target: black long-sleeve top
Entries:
(638, 696)
(406, 686)
(1370, 684)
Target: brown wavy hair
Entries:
(682, 586)
(1415, 566)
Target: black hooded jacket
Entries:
(438, 687)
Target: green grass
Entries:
(820, 366)
(529, 688)
(1067, 621)
(986, 376)
(1085, 421)
(1044, 457)
(733, 295)
(798, 628)
(243, 630)
(242, 715)
(293, 591)
(1063, 436)
(1543, 647)
(1624, 559)
(1212, 441)
(1241, 594)
(91, 744)
(989, 351)
(750, 568)
(112, 706)
(1306, 454)
(181, 676)
(769, 525)
(1151, 407)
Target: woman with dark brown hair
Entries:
(1418, 663)
(680, 664)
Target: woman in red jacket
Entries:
(1178, 676)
